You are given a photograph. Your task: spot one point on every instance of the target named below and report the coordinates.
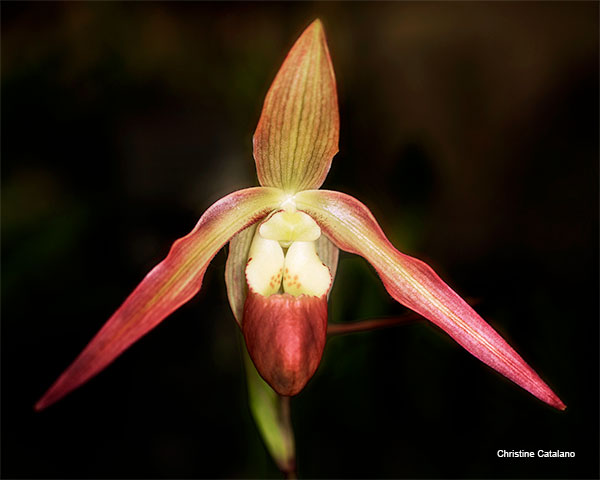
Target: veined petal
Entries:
(298, 131)
(352, 227)
(328, 253)
(168, 285)
(235, 271)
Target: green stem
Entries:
(271, 412)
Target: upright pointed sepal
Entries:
(285, 336)
(352, 227)
(298, 131)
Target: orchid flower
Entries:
(284, 239)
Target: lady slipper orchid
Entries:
(284, 238)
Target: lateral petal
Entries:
(298, 131)
(168, 285)
(235, 271)
(352, 227)
(329, 254)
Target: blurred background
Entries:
(470, 130)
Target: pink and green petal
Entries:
(328, 253)
(352, 227)
(168, 285)
(298, 131)
(235, 271)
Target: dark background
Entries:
(470, 129)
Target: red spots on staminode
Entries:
(291, 281)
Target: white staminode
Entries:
(289, 204)
(288, 227)
(300, 268)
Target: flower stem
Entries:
(291, 474)
(289, 468)
(271, 412)
(374, 324)
(367, 325)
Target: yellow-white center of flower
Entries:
(283, 257)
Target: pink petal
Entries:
(352, 227)
(168, 285)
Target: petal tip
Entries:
(317, 24)
(41, 404)
(49, 398)
(557, 403)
